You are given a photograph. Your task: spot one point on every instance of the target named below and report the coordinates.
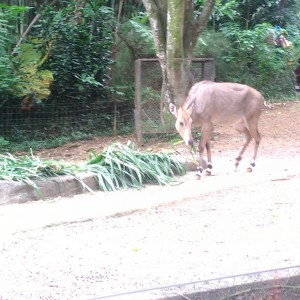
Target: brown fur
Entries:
(211, 103)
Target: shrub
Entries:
(247, 56)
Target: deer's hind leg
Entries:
(252, 127)
(249, 130)
(241, 128)
(209, 163)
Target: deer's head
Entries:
(183, 122)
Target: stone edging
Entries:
(18, 192)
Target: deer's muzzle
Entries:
(190, 143)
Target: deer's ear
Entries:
(173, 109)
(190, 109)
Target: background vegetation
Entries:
(77, 60)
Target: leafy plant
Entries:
(79, 51)
(130, 168)
(32, 80)
(3, 142)
(135, 40)
(8, 77)
(118, 166)
(248, 56)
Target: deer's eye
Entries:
(181, 124)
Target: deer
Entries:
(209, 103)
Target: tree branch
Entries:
(200, 23)
(35, 19)
(204, 16)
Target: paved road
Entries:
(103, 244)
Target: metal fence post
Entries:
(137, 102)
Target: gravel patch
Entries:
(91, 246)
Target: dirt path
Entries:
(279, 126)
(95, 245)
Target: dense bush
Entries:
(78, 51)
(248, 56)
(8, 76)
(70, 49)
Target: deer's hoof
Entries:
(208, 172)
(197, 176)
(208, 169)
(250, 168)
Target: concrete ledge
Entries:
(18, 192)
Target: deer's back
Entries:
(224, 102)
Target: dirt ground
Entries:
(279, 126)
(93, 246)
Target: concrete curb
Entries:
(62, 186)
(18, 192)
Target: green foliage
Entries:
(151, 96)
(225, 10)
(8, 77)
(275, 12)
(118, 166)
(10, 15)
(3, 142)
(79, 50)
(135, 40)
(72, 48)
(128, 167)
(139, 34)
(258, 62)
(241, 43)
(215, 45)
(21, 141)
(67, 51)
(3, 32)
(249, 13)
(30, 167)
(32, 80)
(248, 56)
(19, 74)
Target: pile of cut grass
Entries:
(118, 166)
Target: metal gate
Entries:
(148, 91)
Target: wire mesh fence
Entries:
(151, 117)
(22, 122)
(49, 121)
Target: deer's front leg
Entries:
(200, 165)
(204, 143)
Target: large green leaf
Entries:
(33, 81)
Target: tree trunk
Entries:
(175, 31)
(178, 55)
